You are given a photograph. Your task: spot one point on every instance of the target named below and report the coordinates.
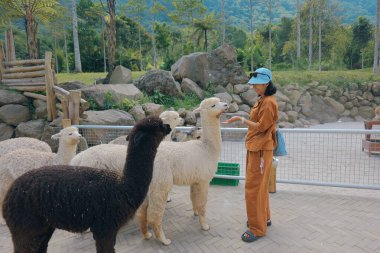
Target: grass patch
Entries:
(89, 78)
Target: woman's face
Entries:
(260, 88)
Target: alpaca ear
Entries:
(198, 110)
(138, 138)
(127, 138)
(56, 136)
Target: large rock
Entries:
(237, 99)
(234, 107)
(338, 107)
(376, 89)
(281, 97)
(33, 129)
(159, 80)
(293, 95)
(366, 112)
(14, 114)
(11, 97)
(249, 97)
(72, 85)
(152, 109)
(245, 108)
(188, 86)
(218, 67)
(108, 117)
(113, 93)
(292, 116)
(190, 118)
(240, 88)
(41, 108)
(220, 89)
(121, 75)
(224, 97)
(306, 104)
(137, 112)
(50, 130)
(321, 111)
(6, 132)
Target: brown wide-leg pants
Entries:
(256, 190)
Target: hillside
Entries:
(237, 11)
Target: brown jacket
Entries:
(263, 136)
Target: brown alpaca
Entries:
(80, 198)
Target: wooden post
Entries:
(65, 107)
(74, 104)
(10, 45)
(1, 62)
(66, 123)
(50, 95)
(272, 177)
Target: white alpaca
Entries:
(18, 162)
(168, 117)
(10, 145)
(185, 163)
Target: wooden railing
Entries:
(30, 76)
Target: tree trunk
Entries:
(376, 53)
(206, 40)
(223, 23)
(140, 50)
(154, 37)
(270, 33)
(320, 37)
(310, 34)
(111, 35)
(362, 51)
(298, 30)
(251, 30)
(104, 47)
(78, 64)
(55, 55)
(31, 26)
(66, 54)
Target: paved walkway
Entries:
(305, 219)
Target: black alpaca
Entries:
(78, 198)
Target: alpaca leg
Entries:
(156, 208)
(105, 243)
(31, 240)
(5, 182)
(200, 203)
(45, 238)
(143, 219)
(193, 195)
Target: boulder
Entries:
(6, 132)
(218, 67)
(338, 107)
(230, 88)
(188, 86)
(220, 89)
(107, 95)
(306, 104)
(159, 80)
(237, 99)
(249, 97)
(50, 130)
(293, 95)
(354, 112)
(224, 97)
(298, 124)
(14, 114)
(348, 105)
(41, 108)
(368, 96)
(281, 97)
(182, 112)
(152, 109)
(11, 97)
(190, 118)
(241, 88)
(366, 112)
(72, 85)
(121, 75)
(234, 107)
(321, 111)
(376, 89)
(281, 105)
(33, 129)
(245, 108)
(137, 112)
(292, 116)
(282, 116)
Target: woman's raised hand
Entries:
(231, 120)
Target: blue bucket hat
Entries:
(260, 76)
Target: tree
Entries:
(376, 68)
(269, 6)
(298, 30)
(155, 8)
(361, 35)
(32, 11)
(236, 37)
(251, 30)
(110, 22)
(78, 64)
(311, 7)
(203, 26)
(223, 23)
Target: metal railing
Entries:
(325, 157)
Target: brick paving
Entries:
(305, 219)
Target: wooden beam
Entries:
(24, 75)
(1, 62)
(24, 84)
(60, 90)
(52, 110)
(24, 69)
(25, 62)
(24, 80)
(74, 104)
(34, 95)
(66, 123)
(27, 88)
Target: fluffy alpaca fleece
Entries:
(18, 162)
(171, 118)
(78, 198)
(10, 145)
(191, 163)
(377, 113)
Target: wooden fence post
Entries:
(74, 106)
(10, 46)
(50, 95)
(1, 61)
(66, 123)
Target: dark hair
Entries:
(270, 90)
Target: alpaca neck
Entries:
(136, 179)
(66, 153)
(211, 134)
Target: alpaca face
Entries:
(150, 127)
(172, 118)
(69, 135)
(213, 106)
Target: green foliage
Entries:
(160, 98)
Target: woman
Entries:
(260, 143)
